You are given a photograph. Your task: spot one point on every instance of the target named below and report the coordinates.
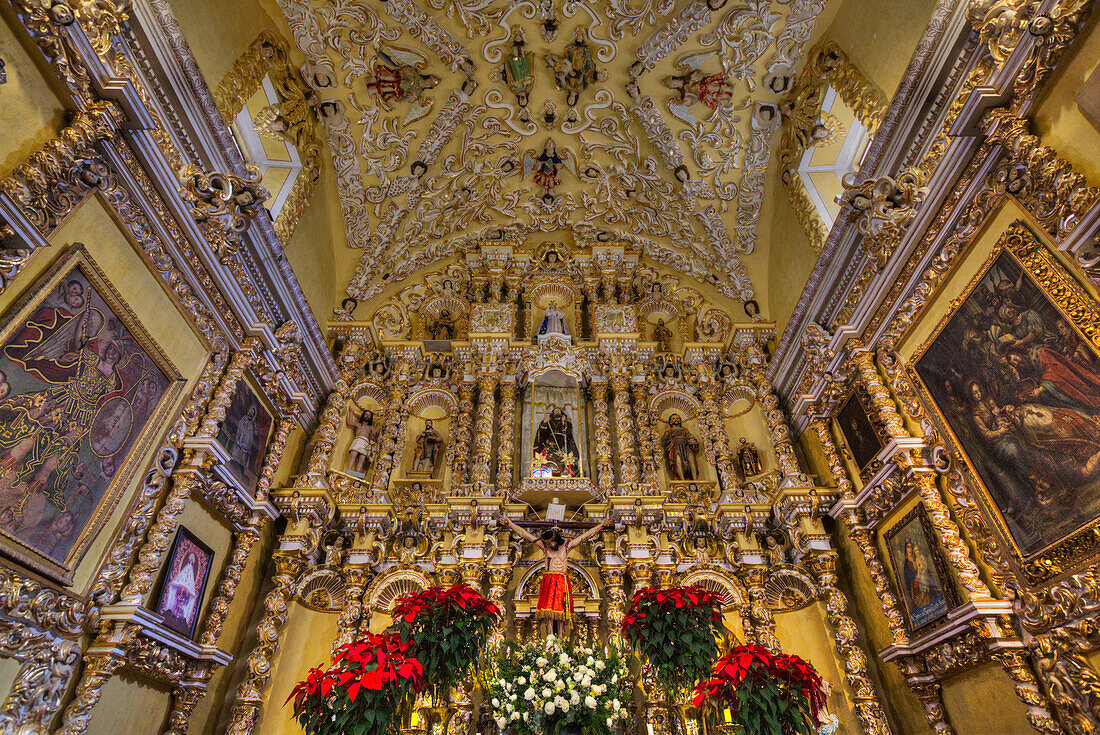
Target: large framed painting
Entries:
(183, 583)
(82, 388)
(920, 574)
(244, 433)
(1014, 374)
(858, 432)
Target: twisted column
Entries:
(98, 669)
(250, 694)
(845, 636)
(184, 699)
(347, 622)
(778, 430)
(868, 376)
(832, 457)
(624, 428)
(324, 439)
(243, 541)
(647, 442)
(930, 694)
(613, 580)
(507, 434)
(459, 450)
(760, 618)
(1039, 716)
(605, 468)
(716, 433)
(483, 430)
(391, 445)
(275, 448)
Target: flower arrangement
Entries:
(677, 630)
(544, 462)
(369, 681)
(545, 686)
(768, 694)
(447, 629)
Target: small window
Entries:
(835, 147)
(275, 156)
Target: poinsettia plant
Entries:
(447, 628)
(368, 682)
(767, 694)
(676, 629)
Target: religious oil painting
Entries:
(919, 572)
(244, 434)
(184, 582)
(1019, 387)
(858, 432)
(80, 381)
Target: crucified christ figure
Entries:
(555, 592)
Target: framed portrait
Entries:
(82, 388)
(1013, 374)
(179, 597)
(920, 574)
(859, 433)
(244, 433)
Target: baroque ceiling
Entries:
(455, 121)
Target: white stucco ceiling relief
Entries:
(646, 120)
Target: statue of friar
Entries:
(555, 443)
(429, 449)
(680, 448)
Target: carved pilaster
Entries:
(843, 484)
(890, 607)
(958, 553)
(845, 636)
(613, 579)
(647, 442)
(250, 694)
(184, 699)
(605, 468)
(98, 669)
(483, 431)
(1015, 663)
(760, 618)
(234, 373)
(507, 430)
(624, 430)
(324, 439)
(243, 541)
(347, 622)
(717, 438)
(930, 694)
(778, 430)
(459, 450)
(392, 444)
(882, 403)
(275, 448)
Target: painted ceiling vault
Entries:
(456, 121)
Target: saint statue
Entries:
(443, 326)
(362, 446)
(749, 458)
(555, 603)
(662, 335)
(679, 447)
(555, 447)
(554, 321)
(429, 449)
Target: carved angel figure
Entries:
(693, 85)
(396, 77)
(574, 68)
(546, 166)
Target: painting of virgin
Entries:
(244, 433)
(77, 388)
(919, 573)
(858, 432)
(184, 583)
(1019, 388)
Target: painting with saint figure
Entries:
(184, 583)
(78, 386)
(858, 432)
(1020, 389)
(920, 577)
(243, 435)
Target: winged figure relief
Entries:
(546, 165)
(397, 75)
(692, 85)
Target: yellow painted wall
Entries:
(131, 706)
(1058, 119)
(310, 635)
(790, 257)
(982, 701)
(30, 113)
(219, 32)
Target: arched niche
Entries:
(549, 387)
(664, 405)
(437, 406)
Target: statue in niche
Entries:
(749, 458)
(662, 335)
(363, 445)
(680, 448)
(334, 552)
(554, 321)
(443, 326)
(429, 449)
(775, 550)
(556, 453)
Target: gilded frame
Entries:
(76, 255)
(1080, 547)
(857, 394)
(919, 514)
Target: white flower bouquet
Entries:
(549, 687)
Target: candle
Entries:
(727, 715)
(415, 719)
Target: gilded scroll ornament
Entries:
(223, 204)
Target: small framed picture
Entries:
(184, 582)
(920, 574)
(858, 432)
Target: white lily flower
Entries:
(550, 675)
(501, 722)
(600, 665)
(496, 702)
(546, 693)
(549, 708)
(529, 694)
(590, 702)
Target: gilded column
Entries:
(459, 450)
(324, 439)
(250, 694)
(716, 431)
(647, 443)
(98, 669)
(184, 699)
(275, 448)
(605, 468)
(483, 431)
(613, 579)
(884, 408)
(778, 430)
(243, 542)
(845, 635)
(347, 622)
(392, 444)
(958, 553)
(507, 430)
(930, 694)
(760, 618)
(1015, 663)
(42, 680)
(624, 428)
(500, 574)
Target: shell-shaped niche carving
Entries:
(682, 403)
(732, 594)
(387, 589)
(788, 589)
(323, 590)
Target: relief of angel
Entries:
(575, 68)
(546, 166)
(693, 85)
(396, 76)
